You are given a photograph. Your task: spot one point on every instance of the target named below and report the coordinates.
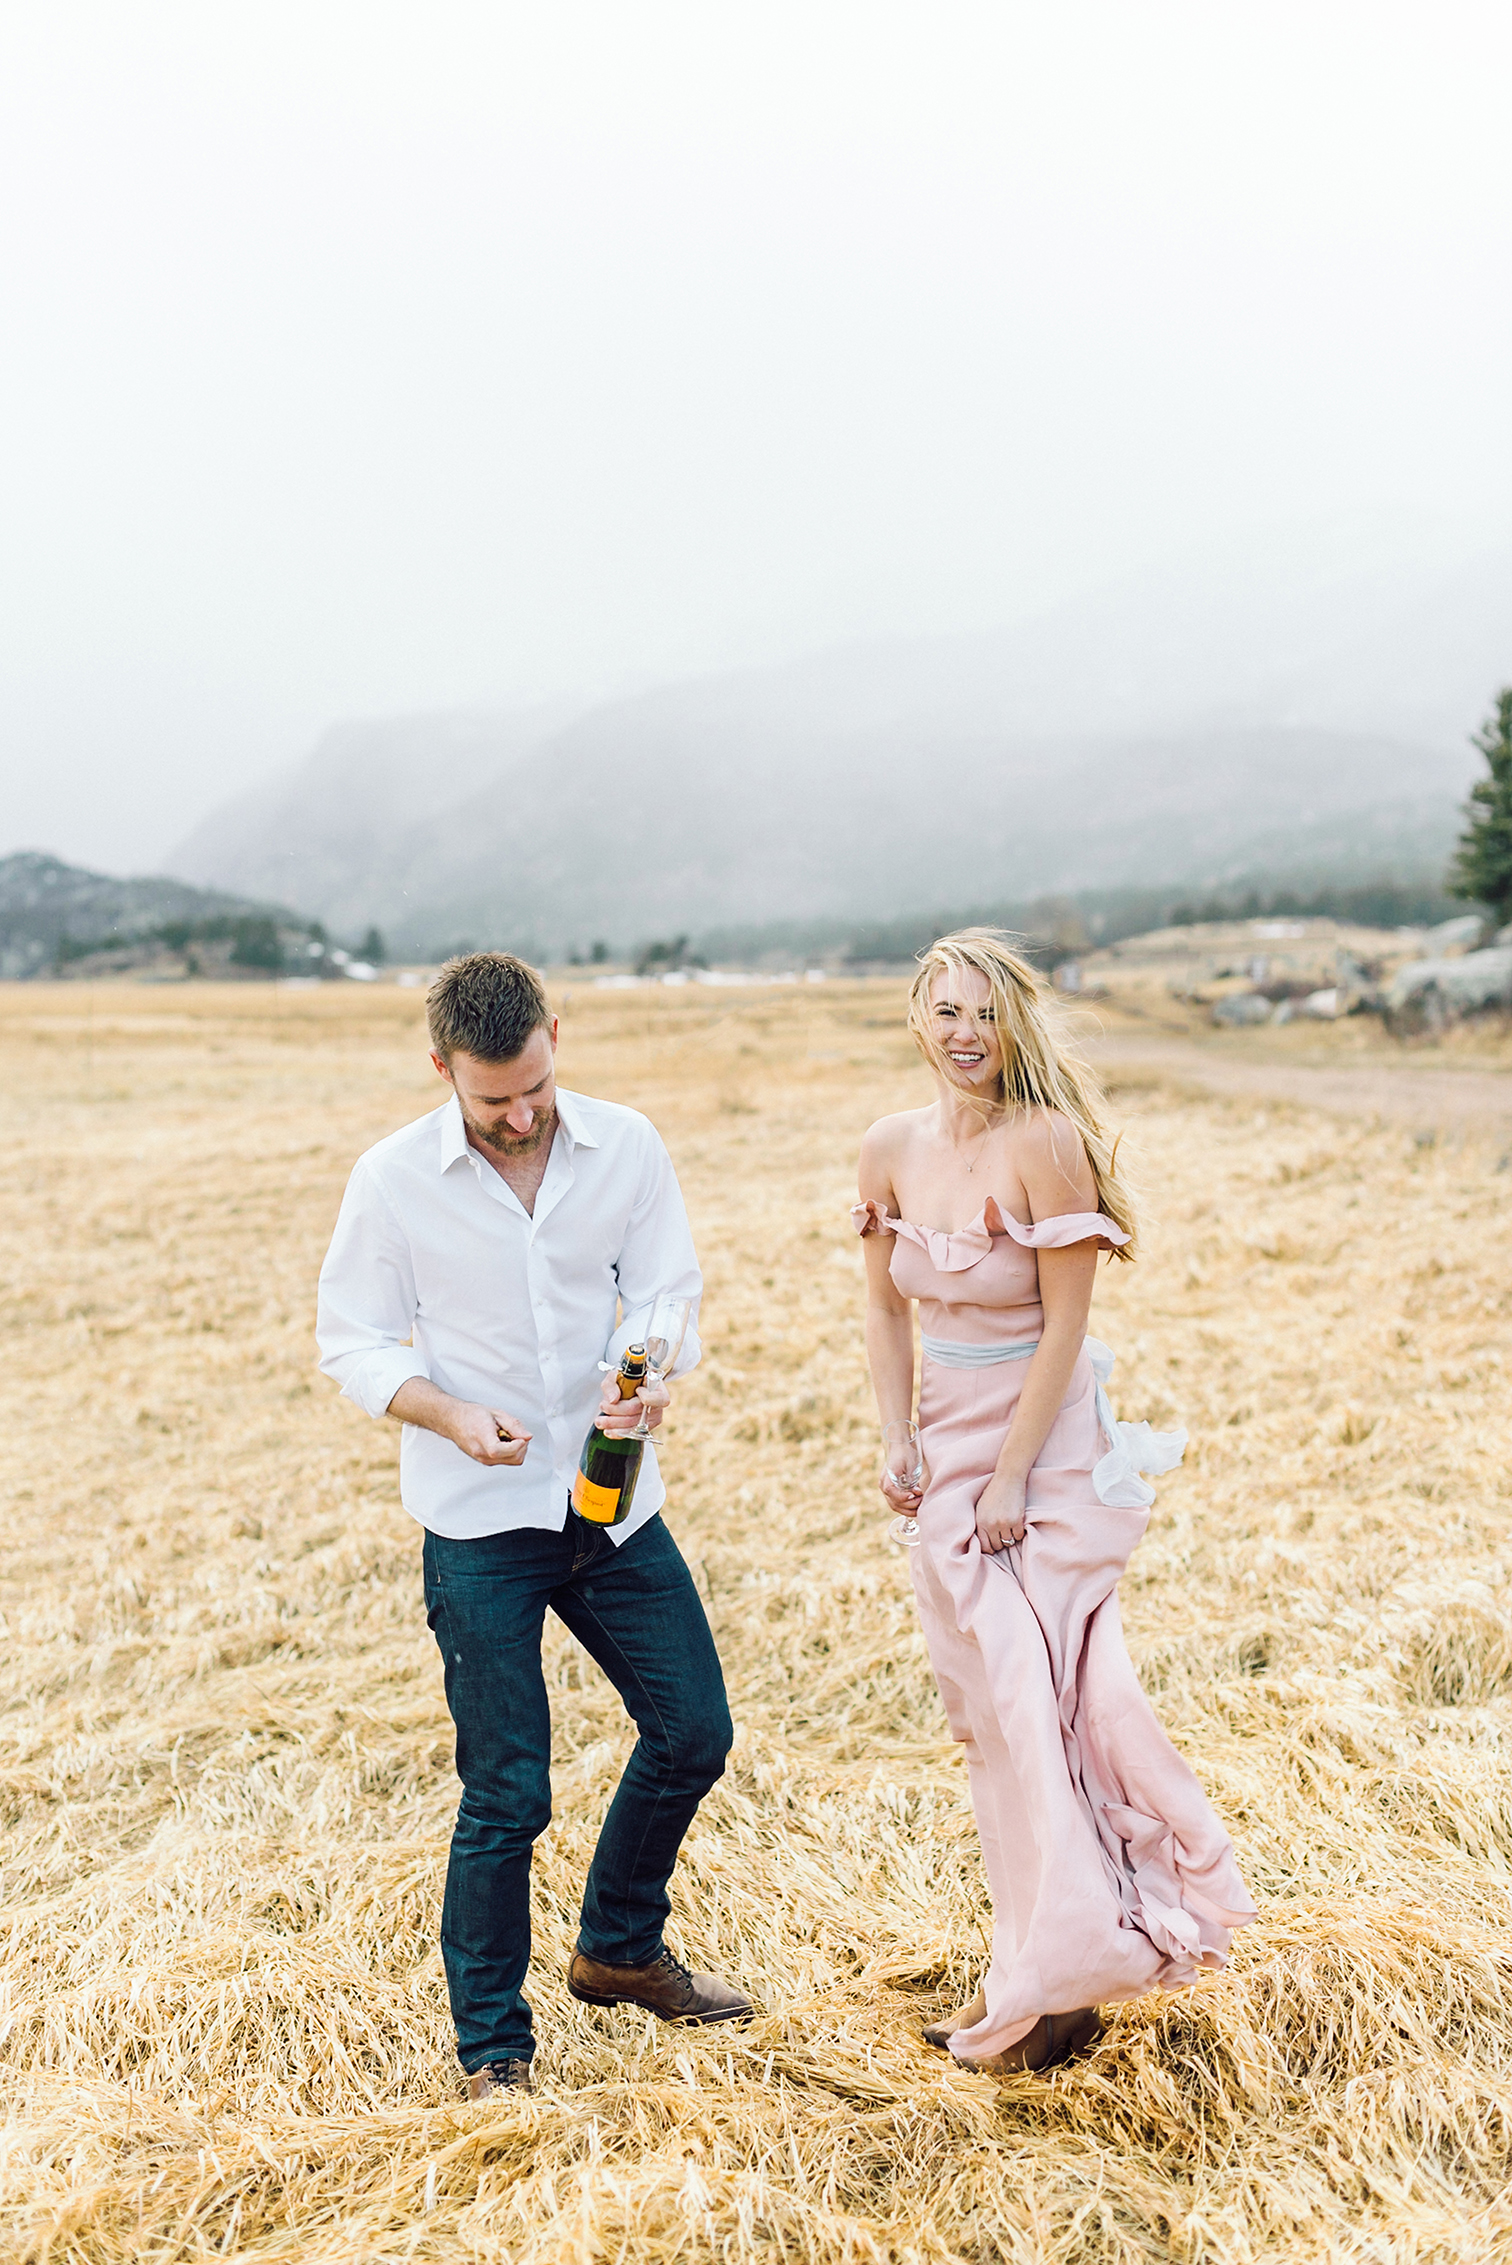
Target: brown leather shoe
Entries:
(495, 2080)
(664, 1987)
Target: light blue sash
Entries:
(951, 1355)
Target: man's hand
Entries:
(491, 1436)
(1000, 1512)
(617, 1416)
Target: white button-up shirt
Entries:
(436, 1269)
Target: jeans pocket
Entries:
(438, 1620)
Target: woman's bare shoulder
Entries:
(1044, 1132)
(884, 1149)
(1045, 1145)
(889, 1136)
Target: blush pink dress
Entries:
(1109, 1873)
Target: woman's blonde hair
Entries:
(1042, 1067)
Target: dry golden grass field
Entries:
(227, 1765)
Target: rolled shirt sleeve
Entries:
(657, 1258)
(367, 1303)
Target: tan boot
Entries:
(1073, 2033)
(664, 1987)
(1031, 2051)
(940, 2032)
(1055, 2037)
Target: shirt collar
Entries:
(571, 1119)
(453, 1133)
(455, 1143)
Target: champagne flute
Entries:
(904, 1530)
(665, 1332)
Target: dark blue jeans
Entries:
(634, 1608)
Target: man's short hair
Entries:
(486, 1004)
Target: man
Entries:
(470, 1290)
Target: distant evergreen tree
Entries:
(1482, 869)
(372, 948)
(661, 958)
(257, 944)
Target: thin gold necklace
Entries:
(981, 1144)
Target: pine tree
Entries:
(1482, 869)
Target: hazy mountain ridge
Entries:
(45, 905)
(1166, 731)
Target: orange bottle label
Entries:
(596, 1503)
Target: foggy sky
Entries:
(366, 358)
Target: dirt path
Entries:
(1426, 1097)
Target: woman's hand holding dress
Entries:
(1000, 1511)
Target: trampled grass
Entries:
(226, 1771)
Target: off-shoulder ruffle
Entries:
(953, 1254)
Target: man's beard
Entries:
(514, 1146)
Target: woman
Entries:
(1109, 1873)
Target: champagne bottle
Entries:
(608, 1468)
